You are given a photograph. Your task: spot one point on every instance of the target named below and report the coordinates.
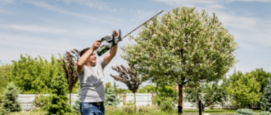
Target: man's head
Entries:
(92, 57)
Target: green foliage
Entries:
(261, 77)
(167, 105)
(1, 98)
(130, 103)
(41, 101)
(117, 90)
(111, 109)
(110, 98)
(208, 93)
(266, 98)
(5, 71)
(244, 112)
(147, 89)
(128, 109)
(76, 106)
(244, 89)
(164, 93)
(34, 75)
(59, 100)
(10, 102)
(264, 113)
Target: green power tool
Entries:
(111, 40)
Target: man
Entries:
(91, 78)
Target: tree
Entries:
(110, 98)
(261, 76)
(34, 75)
(129, 77)
(5, 71)
(10, 102)
(68, 63)
(182, 46)
(208, 94)
(58, 103)
(244, 89)
(266, 98)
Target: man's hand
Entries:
(96, 44)
(117, 33)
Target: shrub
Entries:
(41, 101)
(264, 113)
(244, 112)
(110, 98)
(10, 102)
(58, 103)
(167, 105)
(266, 98)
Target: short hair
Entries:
(84, 51)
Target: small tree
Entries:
(58, 104)
(244, 89)
(183, 46)
(266, 98)
(68, 63)
(129, 77)
(10, 102)
(110, 98)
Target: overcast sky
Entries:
(46, 27)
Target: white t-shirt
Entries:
(92, 83)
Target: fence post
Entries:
(124, 98)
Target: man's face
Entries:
(92, 58)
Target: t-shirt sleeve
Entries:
(101, 62)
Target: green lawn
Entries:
(146, 111)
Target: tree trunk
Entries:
(135, 101)
(70, 98)
(199, 105)
(180, 101)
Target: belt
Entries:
(96, 103)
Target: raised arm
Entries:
(108, 57)
(83, 59)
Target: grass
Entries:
(141, 110)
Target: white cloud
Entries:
(216, 6)
(33, 28)
(52, 8)
(90, 3)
